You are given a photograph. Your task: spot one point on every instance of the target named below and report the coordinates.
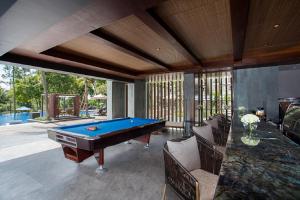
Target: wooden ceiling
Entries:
(204, 26)
(277, 27)
(133, 31)
(128, 39)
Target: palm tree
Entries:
(14, 91)
(45, 86)
(86, 97)
(85, 82)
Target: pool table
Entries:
(84, 140)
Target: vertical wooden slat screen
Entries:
(201, 99)
(172, 99)
(197, 86)
(210, 95)
(176, 96)
(168, 98)
(206, 94)
(231, 96)
(165, 96)
(213, 95)
(226, 103)
(181, 98)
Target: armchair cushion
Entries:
(207, 183)
(213, 122)
(205, 132)
(186, 152)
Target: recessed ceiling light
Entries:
(157, 49)
(276, 26)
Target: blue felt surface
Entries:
(108, 126)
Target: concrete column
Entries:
(130, 101)
(189, 103)
(139, 98)
(115, 100)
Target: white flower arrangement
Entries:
(249, 119)
(241, 108)
(250, 123)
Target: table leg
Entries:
(99, 155)
(164, 196)
(144, 139)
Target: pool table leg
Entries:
(99, 155)
(144, 139)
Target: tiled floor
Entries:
(133, 172)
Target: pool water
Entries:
(23, 117)
(6, 119)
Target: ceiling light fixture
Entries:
(157, 49)
(276, 26)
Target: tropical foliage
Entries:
(3, 100)
(27, 86)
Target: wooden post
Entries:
(77, 105)
(52, 106)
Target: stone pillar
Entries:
(189, 102)
(130, 100)
(115, 100)
(139, 98)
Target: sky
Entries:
(3, 85)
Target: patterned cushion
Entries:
(207, 183)
(205, 132)
(186, 152)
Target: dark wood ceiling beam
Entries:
(79, 59)
(152, 20)
(23, 21)
(128, 49)
(269, 59)
(24, 60)
(258, 59)
(60, 21)
(239, 11)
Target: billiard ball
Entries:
(92, 128)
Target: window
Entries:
(213, 95)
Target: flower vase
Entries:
(249, 138)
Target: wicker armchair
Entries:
(221, 130)
(184, 183)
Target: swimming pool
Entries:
(6, 119)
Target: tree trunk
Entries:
(86, 97)
(45, 86)
(14, 92)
